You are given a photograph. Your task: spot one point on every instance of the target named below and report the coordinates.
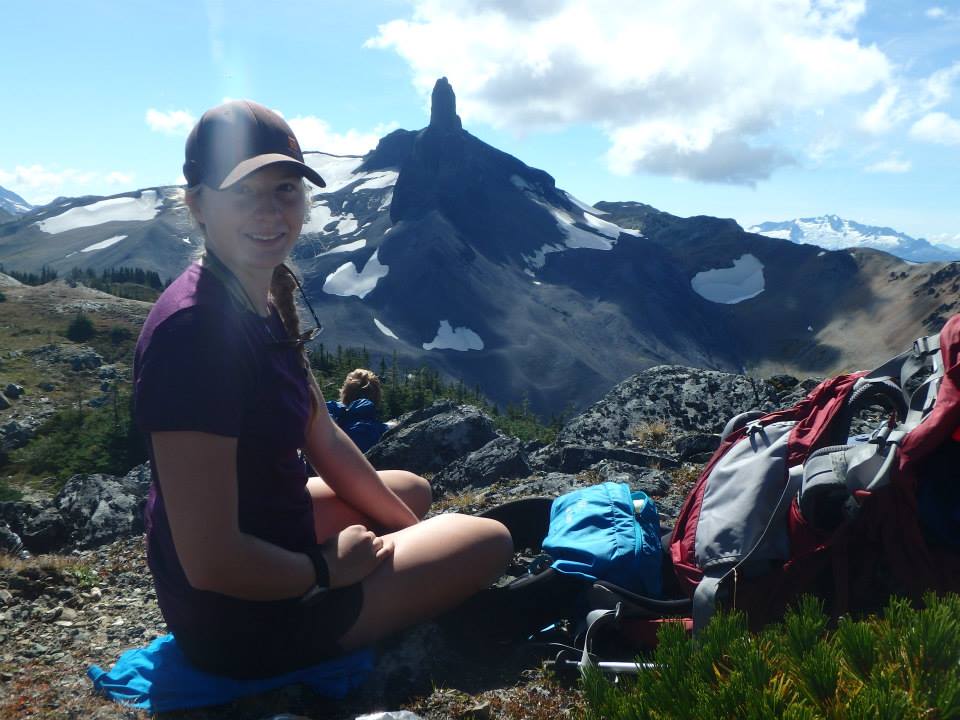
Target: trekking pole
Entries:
(608, 666)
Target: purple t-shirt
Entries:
(205, 364)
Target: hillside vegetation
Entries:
(87, 424)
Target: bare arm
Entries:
(198, 477)
(351, 476)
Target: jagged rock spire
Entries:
(443, 107)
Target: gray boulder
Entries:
(696, 446)
(684, 398)
(4, 402)
(503, 458)
(13, 391)
(11, 543)
(90, 510)
(654, 482)
(576, 458)
(550, 484)
(17, 433)
(78, 357)
(429, 439)
(44, 530)
(98, 509)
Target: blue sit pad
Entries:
(159, 678)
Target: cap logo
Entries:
(292, 143)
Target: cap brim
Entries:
(261, 161)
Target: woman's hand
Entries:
(354, 553)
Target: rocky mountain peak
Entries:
(443, 107)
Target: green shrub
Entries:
(80, 328)
(903, 665)
(120, 334)
(72, 441)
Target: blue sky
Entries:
(750, 109)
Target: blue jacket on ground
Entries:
(359, 421)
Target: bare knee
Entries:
(421, 495)
(414, 490)
(487, 543)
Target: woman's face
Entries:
(253, 224)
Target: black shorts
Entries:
(289, 639)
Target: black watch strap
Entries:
(315, 553)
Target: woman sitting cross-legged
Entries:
(260, 569)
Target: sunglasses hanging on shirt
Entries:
(216, 266)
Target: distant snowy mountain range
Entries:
(835, 233)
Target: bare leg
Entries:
(436, 564)
(331, 514)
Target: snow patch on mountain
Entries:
(13, 203)
(384, 329)
(321, 215)
(451, 338)
(104, 244)
(599, 234)
(121, 209)
(346, 247)
(346, 281)
(602, 226)
(341, 171)
(347, 225)
(580, 204)
(378, 181)
(731, 285)
(337, 171)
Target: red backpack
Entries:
(791, 504)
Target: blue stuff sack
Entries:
(598, 534)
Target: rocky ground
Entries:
(93, 599)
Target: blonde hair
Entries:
(360, 383)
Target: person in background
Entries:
(357, 409)
(259, 568)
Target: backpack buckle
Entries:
(926, 345)
(880, 435)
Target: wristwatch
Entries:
(322, 583)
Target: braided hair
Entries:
(282, 287)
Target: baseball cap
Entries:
(233, 140)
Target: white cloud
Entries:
(823, 146)
(909, 100)
(952, 239)
(890, 165)
(39, 184)
(119, 178)
(937, 127)
(38, 176)
(935, 12)
(316, 134)
(883, 114)
(173, 122)
(675, 93)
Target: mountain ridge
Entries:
(440, 248)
